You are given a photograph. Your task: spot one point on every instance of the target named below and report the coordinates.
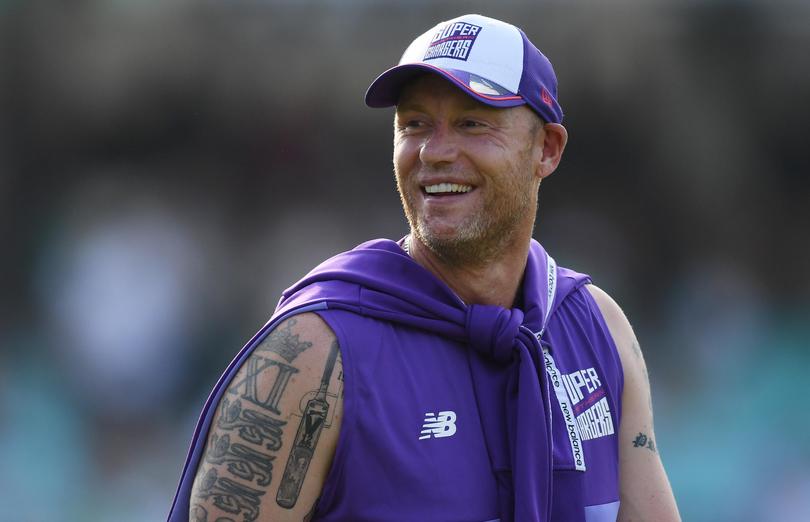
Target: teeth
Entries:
(447, 187)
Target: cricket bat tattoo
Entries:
(306, 438)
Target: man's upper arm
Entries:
(644, 488)
(273, 438)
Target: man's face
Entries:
(466, 172)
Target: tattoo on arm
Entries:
(646, 376)
(251, 425)
(237, 466)
(241, 460)
(200, 514)
(309, 430)
(286, 345)
(637, 349)
(283, 342)
(230, 496)
(644, 441)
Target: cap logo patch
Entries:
(546, 97)
(453, 41)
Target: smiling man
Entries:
(457, 374)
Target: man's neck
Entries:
(495, 283)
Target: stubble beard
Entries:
(482, 236)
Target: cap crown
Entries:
(476, 44)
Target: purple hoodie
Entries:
(531, 395)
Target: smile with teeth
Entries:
(444, 188)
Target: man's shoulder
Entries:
(620, 330)
(614, 316)
(287, 338)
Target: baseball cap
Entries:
(490, 60)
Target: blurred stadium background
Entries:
(168, 167)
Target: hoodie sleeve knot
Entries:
(492, 331)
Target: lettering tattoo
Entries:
(643, 441)
(200, 514)
(230, 496)
(252, 426)
(306, 438)
(242, 461)
(197, 514)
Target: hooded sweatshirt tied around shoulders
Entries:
(451, 411)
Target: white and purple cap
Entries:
(490, 60)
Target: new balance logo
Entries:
(441, 425)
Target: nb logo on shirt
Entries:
(441, 425)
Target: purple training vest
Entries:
(456, 412)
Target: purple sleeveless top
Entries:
(457, 412)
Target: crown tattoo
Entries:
(285, 343)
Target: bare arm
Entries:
(644, 488)
(273, 437)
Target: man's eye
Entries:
(411, 125)
(471, 123)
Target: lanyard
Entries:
(571, 426)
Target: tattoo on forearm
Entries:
(644, 441)
(306, 438)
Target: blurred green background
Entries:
(168, 167)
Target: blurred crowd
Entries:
(167, 168)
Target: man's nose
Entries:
(441, 146)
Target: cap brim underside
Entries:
(385, 90)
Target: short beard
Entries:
(477, 244)
(482, 238)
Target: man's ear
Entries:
(551, 143)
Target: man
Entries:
(457, 374)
